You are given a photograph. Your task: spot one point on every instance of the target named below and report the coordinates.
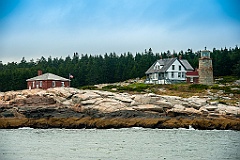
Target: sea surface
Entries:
(121, 144)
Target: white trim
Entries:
(191, 76)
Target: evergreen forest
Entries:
(109, 68)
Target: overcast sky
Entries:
(58, 28)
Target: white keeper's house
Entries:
(167, 71)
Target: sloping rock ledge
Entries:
(73, 108)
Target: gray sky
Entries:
(58, 28)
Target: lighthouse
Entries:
(205, 68)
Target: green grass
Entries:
(88, 87)
(136, 87)
(142, 87)
(183, 87)
(109, 87)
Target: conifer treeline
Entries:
(89, 70)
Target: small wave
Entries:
(25, 128)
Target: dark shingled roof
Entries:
(48, 76)
(166, 63)
(186, 64)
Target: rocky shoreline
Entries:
(74, 108)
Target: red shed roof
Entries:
(192, 74)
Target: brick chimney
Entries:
(180, 57)
(39, 72)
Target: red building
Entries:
(192, 77)
(47, 80)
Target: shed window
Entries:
(40, 84)
(53, 83)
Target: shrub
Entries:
(226, 89)
(227, 79)
(198, 86)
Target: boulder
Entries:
(91, 101)
(60, 91)
(2, 95)
(171, 98)
(123, 98)
(104, 93)
(179, 107)
(229, 110)
(192, 111)
(68, 103)
(149, 107)
(194, 102)
(211, 107)
(180, 110)
(77, 98)
(33, 100)
(77, 108)
(9, 96)
(164, 104)
(203, 111)
(144, 99)
(214, 103)
(107, 105)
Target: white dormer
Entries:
(158, 66)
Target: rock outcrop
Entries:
(65, 103)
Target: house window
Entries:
(62, 84)
(173, 67)
(180, 68)
(183, 75)
(179, 74)
(155, 76)
(172, 74)
(33, 84)
(40, 84)
(157, 67)
(53, 83)
(166, 74)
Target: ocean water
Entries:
(121, 144)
